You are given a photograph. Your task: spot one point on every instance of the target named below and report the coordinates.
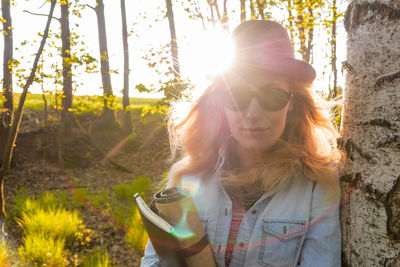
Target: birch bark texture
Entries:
(370, 210)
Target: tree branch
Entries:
(91, 7)
(38, 14)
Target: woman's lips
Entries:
(255, 130)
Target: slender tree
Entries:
(127, 124)
(242, 10)
(260, 6)
(67, 70)
(176, 88)
(301, 27)
(305, 22)
(290, 21)
(108, 110)
(252, 10)
(224, 19)
(18, 115)
(6, 115)
(334, 92)
(174, 44)
(370, 211)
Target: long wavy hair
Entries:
(307, 145)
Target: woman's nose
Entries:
(254, 110)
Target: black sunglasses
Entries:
(269, 98)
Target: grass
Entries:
(98, 258)
(53, 223)
(140, 185)
(5, 254)
(48, 228)
(40, 250)
(136, 236)
(120, 206)
(52, 227)
(83, 104)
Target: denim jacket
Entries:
(295, 226)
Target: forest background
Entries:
(75, 150)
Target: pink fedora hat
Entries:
(265, 45)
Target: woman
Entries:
(264, 157)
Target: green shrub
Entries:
(136, 236)
(55, 223)
(98, 258)
(100, 200)
(48, 201)
(5, 254)
(123, 210)
(127, 213)
(19, 202)
(140, 185)
(25, 203)
(79, 197)
(40, 250)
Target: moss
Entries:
(392, 206)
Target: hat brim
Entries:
(290, 68)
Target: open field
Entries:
(82, 103)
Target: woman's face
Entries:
(256, 111)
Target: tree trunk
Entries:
(174, 44)
(260, 6)
(6, 115)
(334, 58)
(305, 26)
(18, 115)
(66, 118)
(108, 110)
(310, 39)
(370, 209)
(175, 93)
(127, 124)
(291, 21)
(225, 18)
(252, 10)
(301, 28)
(242, 10)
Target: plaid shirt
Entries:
(238, 212)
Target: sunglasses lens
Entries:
(274, 99)
(237, 99)
(271, 99)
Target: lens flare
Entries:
(211, 52)
(182, 229)
(190, 185)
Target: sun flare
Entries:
(211, 52)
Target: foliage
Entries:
(40, 250)
(85, 104)
(46, 217)
(120, 206)
(79, 197)
(49, 228)
(52, 223)
(98, 258)
(100, 200)
(5, 254)
(19, 202)
(140, 185)
(136, 236)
